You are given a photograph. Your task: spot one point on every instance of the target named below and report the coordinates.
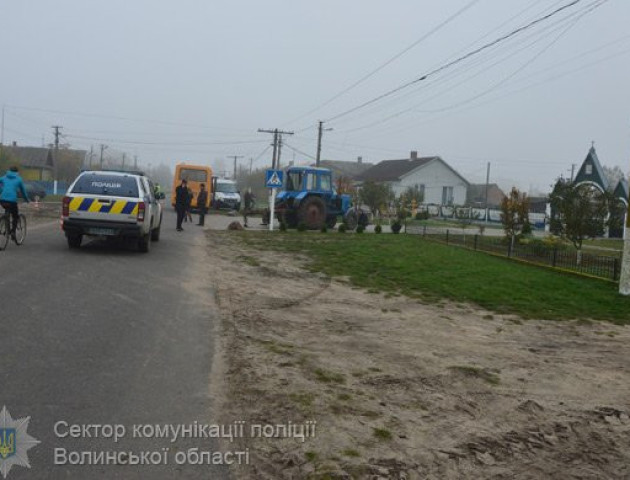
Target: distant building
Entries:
(621, 191)
(476, 195)
(439, 182)
(36, 163)
(591, 172)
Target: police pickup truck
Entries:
(112, 204)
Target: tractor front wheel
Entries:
(312, 213)
(290, 219)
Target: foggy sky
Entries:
(193, 80)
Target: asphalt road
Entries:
(107, 335)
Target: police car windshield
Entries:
(226, 187)
(114, 185)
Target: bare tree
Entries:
(514, 213)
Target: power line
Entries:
(522, 67)
(457, 60)
(563, 31)
(129, 142)
(389, 61)
(526, 87)
(277, 144)
(126, 119)
(296, 150)
(437, 83)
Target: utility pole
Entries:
(321, 130)
(276, 139)
(275, 163)
(487, 185)
(56, 128)
(279, 151)
(251, 164)
(103, 147)
(91, 155)
(2, 128)
(56, 158)
(235, 157)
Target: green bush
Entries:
(301, 227)
(283, 227)
(324, 229)
(396, 226)
(360, 228)
(378, 229)
(342, 228)
(422, 215)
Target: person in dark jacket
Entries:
(188, 215)
(248, 205)
(202, 198)
(12, 185)
(181, 203)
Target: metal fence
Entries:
(536, 252)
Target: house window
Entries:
(447, 195)
(589, 169)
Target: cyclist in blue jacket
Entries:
(11, 183)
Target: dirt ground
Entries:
(405, 390)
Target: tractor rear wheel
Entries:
(312, 213)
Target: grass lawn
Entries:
(411, 266)
(614, 243)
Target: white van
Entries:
(225, 194)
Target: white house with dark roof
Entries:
(441, 184)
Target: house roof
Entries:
(621, 190)
(346, 169)
(395, 170)
(33, 157)
(596, 174)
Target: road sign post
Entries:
(273, 180)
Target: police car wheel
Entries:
(74, 241)
(155, 234)
(144, 243)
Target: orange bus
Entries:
(195, 175)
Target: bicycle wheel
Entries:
(20, 230)
(4, 231)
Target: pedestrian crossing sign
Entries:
(274, 178)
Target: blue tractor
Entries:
(309, 197)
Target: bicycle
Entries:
(5, 230)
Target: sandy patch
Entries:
(400, 389)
